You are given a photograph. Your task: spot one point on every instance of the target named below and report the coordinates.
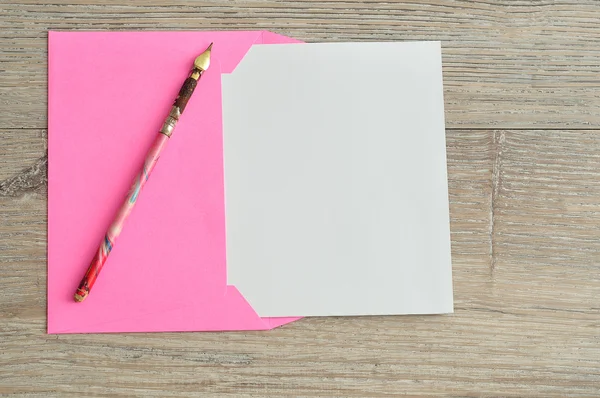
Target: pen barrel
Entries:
(185, 93)
(116, 227)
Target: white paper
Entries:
(335, 179)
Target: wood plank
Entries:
(507, 64)
(547, 229)
(524, 242)
(20, 148)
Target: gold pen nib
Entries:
(203, 60)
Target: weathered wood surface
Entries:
(522, 97)
(507, 64)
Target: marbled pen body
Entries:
(187, 89)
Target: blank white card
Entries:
(335, 179)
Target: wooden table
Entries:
(522, 92)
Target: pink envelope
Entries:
(108, 94)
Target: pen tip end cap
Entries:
(79, 298)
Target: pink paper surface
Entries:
(108, 94)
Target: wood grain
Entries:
(522, 98)
(507, 64)
(526, 281)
